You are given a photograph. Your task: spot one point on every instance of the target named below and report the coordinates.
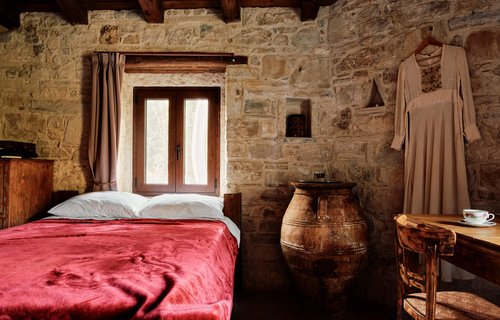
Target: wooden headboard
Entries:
(232, 210)
(232, 207)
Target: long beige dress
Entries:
(434, 111)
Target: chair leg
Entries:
(400, 310)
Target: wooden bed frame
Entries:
(232, 210)
(232, 207)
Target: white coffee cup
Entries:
(477, 216)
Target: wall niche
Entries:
(298, 117)
(374, 97)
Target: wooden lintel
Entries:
(178, 63)
(309, 10)
(74, 10)
(153, 13)
(230, 10)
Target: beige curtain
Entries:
(107, 76)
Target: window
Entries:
(176, 140)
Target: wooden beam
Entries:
(280, 3)
(180, 63)
(9, 18)
(152, 10)
(112, 5)
(74, 10)
(191, 4)
(309, 10)
(230, 10)
(270, 3)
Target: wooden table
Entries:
(477, 249)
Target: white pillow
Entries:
(183, 206)
(109, 204)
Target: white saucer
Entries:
(479, 225)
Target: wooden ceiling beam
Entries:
(9, 18)
(191, 4)
(180, 63)
(112, 5)
(309, 10)
(230, 10)
(270, 3)
(152, 10)
(75, 11)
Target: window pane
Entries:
(195, 141)
(156, 148)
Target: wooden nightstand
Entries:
(25, 189)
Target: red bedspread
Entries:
(119, 269)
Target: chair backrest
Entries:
(419, 237)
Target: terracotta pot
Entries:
(324, 240)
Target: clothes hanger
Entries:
(427, 42)
(419, 57)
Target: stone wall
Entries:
(330, 62)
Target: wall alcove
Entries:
(298, 117)
(374, 97)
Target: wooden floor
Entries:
(283, 306)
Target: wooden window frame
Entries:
(176, 96)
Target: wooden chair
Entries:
(417, 291)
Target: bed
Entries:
(143, 262)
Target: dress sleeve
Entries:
(400, 112)
(471, 131)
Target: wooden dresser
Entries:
(25, 189)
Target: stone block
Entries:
(249, 225)
(307, 38)
(133, 38)
(268, 129)
(240, 73)
(339, 29)
(254, 36)
(312, 72)
(236, 150)
(262, 278)
(22, 127)
(55, 127)
(343, 119)
(265, 238)
(280, 40)
(390, 176)
(109, 35)
(265, 151)
(276, 178)
(270, 225)
(375, 121)
(273, 67)
(357, 60)
(238, 128)
(490, 177)
(73, 132)
(69, 175)
(386, 200)
(350, 149)
(467, 6)
(483, 45)
(245, 171)
(15, 100)
(280, 195)
(273, 18)
(257, 107)
(474, 19)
